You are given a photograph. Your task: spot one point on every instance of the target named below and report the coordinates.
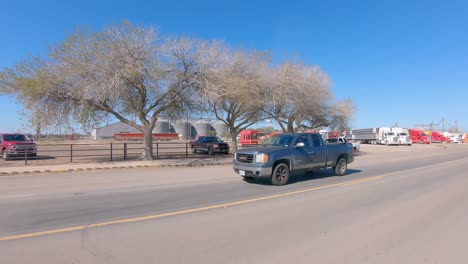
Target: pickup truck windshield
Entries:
(14, 138)
(279, 140)
(212, 139)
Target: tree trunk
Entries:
(148, 148)
(234, 140)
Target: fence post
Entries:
(111, 151)
(157, 150)
(25, 157)
(125, 151)
(186, 150)
(71, 153)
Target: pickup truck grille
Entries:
(245, 158)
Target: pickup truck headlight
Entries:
(261, 158)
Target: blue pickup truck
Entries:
(282, 154)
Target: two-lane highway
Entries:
(384, 211)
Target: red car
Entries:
(16, 145)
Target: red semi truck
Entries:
(436, 137)
(418, 136)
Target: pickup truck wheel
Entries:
(354, 150)
(341, 167)
(4, 155)
(194, 150)
(280, 174)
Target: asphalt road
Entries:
(403, 206)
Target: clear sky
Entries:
(399, 61)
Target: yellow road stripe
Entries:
(217, 206)
(194, 210)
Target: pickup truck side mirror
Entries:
(300, 145)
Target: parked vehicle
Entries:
(249, 137)
(330, 134)
(454, 138)
(17, 145)
(418, 136)
(436, 137)
(378, 135)
(465, 138)
(210, 145)
(283, 154)
(356, 145)
(403, 136)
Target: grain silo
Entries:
(221, 128)
(202, 127)
(162, 126)
(182, 127)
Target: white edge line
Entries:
(16, 196)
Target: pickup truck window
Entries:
(15, 138)
(316, 141)
(304, 139)
(279, 140)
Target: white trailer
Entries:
(376, 135)
(402, 135)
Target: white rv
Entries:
(402, 135)
(377, 135)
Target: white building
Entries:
(108, 131)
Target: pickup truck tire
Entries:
(341, 167)
(4, 155)
(280, 175)
(194, 150)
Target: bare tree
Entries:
(298, 96)
(234, 89)
(121, 72)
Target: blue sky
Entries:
(399, 61)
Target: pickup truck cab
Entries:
(210, 145)
(17, 145)
(282, 154)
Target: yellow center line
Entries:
(217, 206)
(181, 212)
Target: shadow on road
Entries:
(304, 176)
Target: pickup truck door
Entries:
(318, 151)
(302, 158)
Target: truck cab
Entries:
(418, 136)
(249, 137)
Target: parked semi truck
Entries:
(403, 136)
(436, 137)
(377, 135)
(418, 136)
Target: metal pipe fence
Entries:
(102, 152)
